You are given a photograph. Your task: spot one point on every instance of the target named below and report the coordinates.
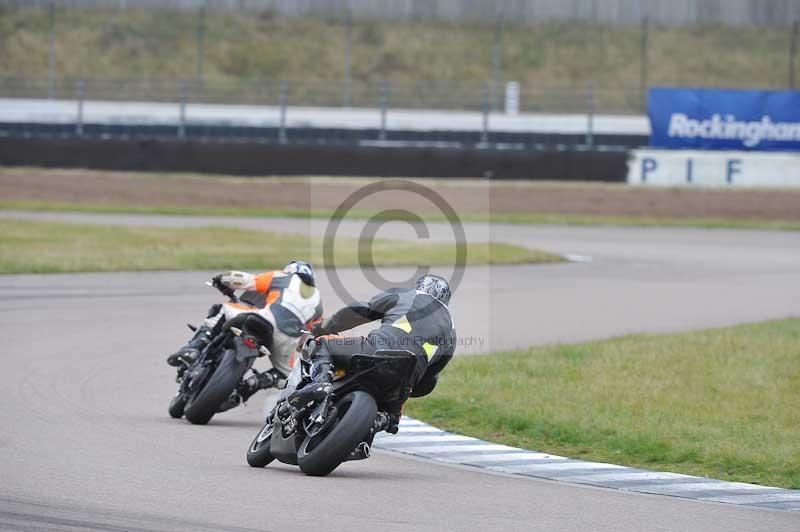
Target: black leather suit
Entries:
(410, 320)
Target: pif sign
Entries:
(713, 168)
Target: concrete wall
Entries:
(622, 12)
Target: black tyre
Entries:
(176, 405)
(258, 454)
(202, 407)
(323, 453)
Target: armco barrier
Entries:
(253, 158)
(713, 168)
(321, 135)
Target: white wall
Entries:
(650, 167)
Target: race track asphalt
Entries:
(87, 443)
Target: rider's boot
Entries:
(258, 381)
(188, 353)
(320, 386)
(231, 402)
(249, 386)
(394, 424)
(394, 411)
(389, 421)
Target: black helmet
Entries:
(303, 270)
(435, 286)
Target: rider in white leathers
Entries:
(287, 299)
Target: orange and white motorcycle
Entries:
(209, 384)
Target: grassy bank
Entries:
(43, 247)
(499, 217)
(161, 44)
(723, 403)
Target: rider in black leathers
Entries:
(413, 319)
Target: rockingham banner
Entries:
(716, 119)
(658, 167)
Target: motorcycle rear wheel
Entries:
(321, 454)
(202, 407)
(258, 454)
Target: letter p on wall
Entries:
(648, 165)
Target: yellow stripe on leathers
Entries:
(430, 349)
(404, 325)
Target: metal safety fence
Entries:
(507, 97)
(445, 114)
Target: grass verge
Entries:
(723, 403)
(508, 217)
(45, 247)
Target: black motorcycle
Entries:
(209, 384)
(320, 436)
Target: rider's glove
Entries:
(238, 280)
(318, 330)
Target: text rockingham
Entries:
(729, 128)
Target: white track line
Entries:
(632, 476)
(406, 430)
(544, 468)
(440, 449)
(754, 499)
(504, 457)
(705, 486)
(422, 439)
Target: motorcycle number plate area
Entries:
(243, 352)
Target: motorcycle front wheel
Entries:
(320, 454)
(258, 454)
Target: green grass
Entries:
(723, 403)
(161, 44)
(43, 247)
(507, 217)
